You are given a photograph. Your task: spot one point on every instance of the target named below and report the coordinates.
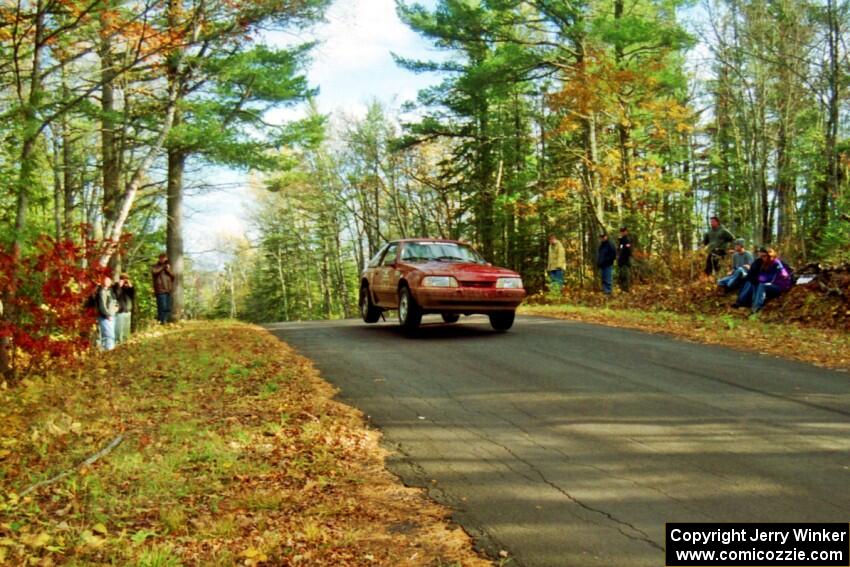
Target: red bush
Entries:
(42, 316)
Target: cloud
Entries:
(353, 62)
(360, 34)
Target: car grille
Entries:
(478, 284)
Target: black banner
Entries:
(758, 545)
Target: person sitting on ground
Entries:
(717, 240)
(605, 257)
(742, 259)
(768, 278)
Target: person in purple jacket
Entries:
(768, 278)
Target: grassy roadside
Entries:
(230, 452)
(824, 347)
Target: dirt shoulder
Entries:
(216, 444)
(825, 347)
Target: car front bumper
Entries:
(468, 300)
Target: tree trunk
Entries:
(325, 280)
(174, 227)
(789, 97)
(343, 285)
(282, 279)
(308, 295)
(68, 165)
(111, 168)
(829, 185)
(784, 188)
(485, 219)
(595, 201)
(685, 223)
(27, 164)
(115, 226)
(623, 128)
(58, 191)
(232, 284)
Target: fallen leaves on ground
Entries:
(824, 303)
(829, 348)
(234, 453)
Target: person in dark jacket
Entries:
(768, 277)
(106, 307)
(163, 285)
(125, 295)
(717, 240)
(605, 261)
(624, 260)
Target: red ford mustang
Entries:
(421, 276)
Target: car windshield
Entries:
(440, 251)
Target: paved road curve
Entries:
(571, 444)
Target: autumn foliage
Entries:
(42, 317)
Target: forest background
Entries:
(569, 118)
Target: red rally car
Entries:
(426, 275)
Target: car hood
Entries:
(467, 270)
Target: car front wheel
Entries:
(368, 310)
(409, 313)
(502, 320)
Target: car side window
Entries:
(376, 259)
(391, 255)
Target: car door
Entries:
(370, 272)
(385, 285)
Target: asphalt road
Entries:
(569, 444)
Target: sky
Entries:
(351, 66)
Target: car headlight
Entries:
(439, 281)
(509, 283)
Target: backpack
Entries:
(792, 278)
(791, 275)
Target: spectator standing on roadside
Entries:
(106, 307)
(125, 295)
(717, 241)
(742, 260)
(624, 260)
(163, 284)
(556, 263)
(605, 257)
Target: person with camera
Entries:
(125, 294)
(163, 285)
(105, 307)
